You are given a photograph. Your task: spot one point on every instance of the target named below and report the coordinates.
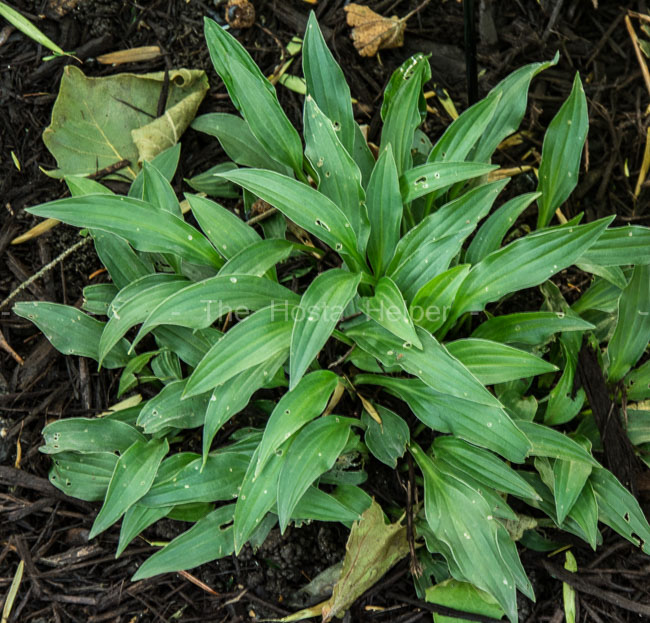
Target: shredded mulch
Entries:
(68, 578)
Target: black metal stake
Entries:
(470, 51)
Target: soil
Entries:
(66, 577)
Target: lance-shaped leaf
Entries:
(426, 178)
(569, 478)
(384, 211)
(314, 450)
(254, 96)
(484, 426)
(123, 264)
(554, 444)
(258, 258)
(432, 302)
(83, 476)
(632, 332)
(166, 162)
(530, 328)
(459, 138)
(326, 83)
(249, 343)
(134, 473)
(373, 547)
(232, 396)
(88, 435)
(146, 227)
(209, 539)
(198, 305)
(489, 237)
(618, 508)
(524, 263)
(387, 308)
(71, 331)
(157, 190)
(227, 232)
(460, 518)
(491, 362)
(304, 205)
(433, 364)
(620, 246)
(564, 402)
(320, 309)
(339, 177)
(563, 143)
(585, 513)
(295, 409)
(510, 109)
(237, 140)
(134, 303)
(137, 519)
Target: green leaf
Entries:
(620, 246)
(314, 451)
(254, 96)
(133, 476)
(618, 508)
(432, 302)
(254, 340)
(638, 383)
(426, 178)
(210, 182)
(449, 219)
(320, 309)
(459, 138)
(384, 211)
(166, 410)
(482, 466)
(632, 332)
(198, 305)
(257, 496)
(321, 506)
(326, 83)
(88, 435)
(564, 403)
(122, 262)
(209, 539)
(98, 297)
(553, 444)
(510, 109)
(157, 191)
(387, 308)
(411, 66)
(402, 113)
(144, 226)
(386, 441)
(362, 155)
(166, 162)
(569, 478)
(339, 178)
(433, 363)
(83, 476)
(93, 128)
(218, 479)
(71, 331)
(460, 518)
(492, 362)
(237, 140)
(227, 232)
(462, 596)
(613, 274)
(230, 398)
(137, 519)
(561, 152)
(488, 427)
(133, 305)
(524, 263)
(530, 328)
(258, 258)
(295, 409)
(305, 206)
(26, 27)
(490, 236)
(190, 346)
(585, 513)
(601, 295)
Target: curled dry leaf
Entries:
(372, 32)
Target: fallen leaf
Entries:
(372, 32)
(97, 122)
(132, 55)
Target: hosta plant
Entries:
(364, 313)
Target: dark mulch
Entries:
(69, 579)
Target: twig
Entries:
(44, 270)
(262, 217)
(639, 54)
(4, 345)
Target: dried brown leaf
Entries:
(372, 32)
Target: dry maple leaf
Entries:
(372, 32)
